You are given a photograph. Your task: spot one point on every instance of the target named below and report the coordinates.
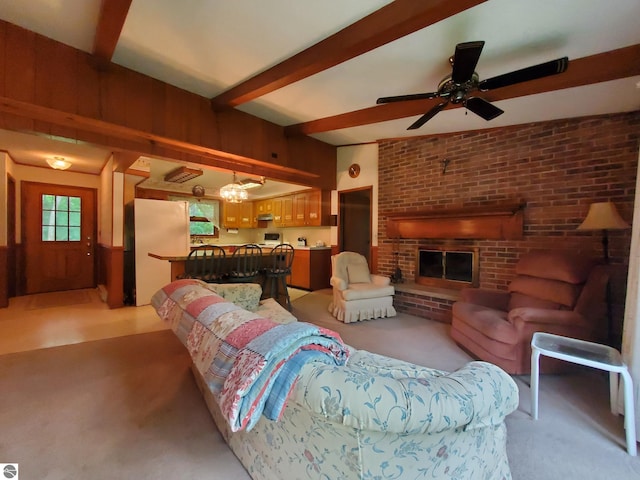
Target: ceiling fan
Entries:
(463, 81)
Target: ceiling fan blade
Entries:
(403, 98)
(427, 116)
(482, 108)
(465, 60)
(524, 75)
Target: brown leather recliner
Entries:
(553, 292)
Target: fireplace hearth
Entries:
(453, 267)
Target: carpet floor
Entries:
(128, 408)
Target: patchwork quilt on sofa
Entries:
(249, 362)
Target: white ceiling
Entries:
(210, 46)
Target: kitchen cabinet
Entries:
(231, 214)
(311, 209)
(282, 211)
(317, 212)
(276, 206)
(247, 219)
(311, 268)
(263, 207)
(299, 207)
(238, 215)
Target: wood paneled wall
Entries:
(111, 274)
(4, 277)
(49, 87)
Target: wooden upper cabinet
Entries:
(247, 218)
(304, 209)
(312, 208)
(316, 214)
(300, 209)
(263, 207)
(231, 214)
(276, 206)
(287, 212)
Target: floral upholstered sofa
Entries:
(366, 417)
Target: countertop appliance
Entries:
(271, 239)
(302, 241)
(157, 226)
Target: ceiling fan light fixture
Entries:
(58, 163)
(464, 80)
(233, 192)
(182, 174)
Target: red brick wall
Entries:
(558, 168)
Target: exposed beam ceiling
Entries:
(603, 67)
(393, 21)
(113, 14)
(318, 67)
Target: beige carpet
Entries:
(128, 408)
(120, 408)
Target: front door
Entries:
(58, 234)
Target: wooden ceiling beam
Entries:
(122, 160)
(145, 142)
(113, 14)
(602, 67)
(385, 25)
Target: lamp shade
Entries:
(603, 216)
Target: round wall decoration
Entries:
(354, 170)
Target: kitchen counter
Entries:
(311, 268)
(181, 257)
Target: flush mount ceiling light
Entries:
(247, 183)
(182, 174)
(233, 192)
(58, 163)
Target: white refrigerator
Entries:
(160, 227)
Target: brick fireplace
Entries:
(447, 267)
(558, 168)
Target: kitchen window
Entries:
(204, 216)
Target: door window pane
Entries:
(61, 218)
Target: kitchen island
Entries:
(311, 269)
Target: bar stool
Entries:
(205, 263)
(592, 355)
(246, 262)
(276, 272)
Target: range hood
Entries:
(264, 217)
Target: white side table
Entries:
(588, 354)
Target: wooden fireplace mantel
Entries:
(499, 222)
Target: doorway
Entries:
(354, 232)
(58, 236)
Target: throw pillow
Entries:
(358, 273)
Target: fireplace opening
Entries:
(447, 267)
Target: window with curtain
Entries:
(204, 216)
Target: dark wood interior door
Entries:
(355, 222)
(58, 233)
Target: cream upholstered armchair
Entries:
(357, 294)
